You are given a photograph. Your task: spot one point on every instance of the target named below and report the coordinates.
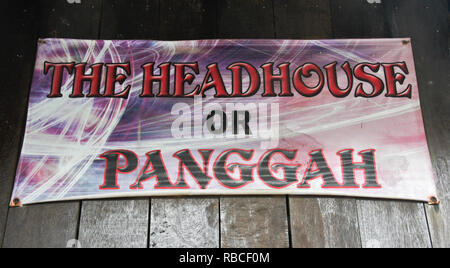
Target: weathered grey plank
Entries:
(41, 226)
(315, 222)
(324, 222)
(114, 223)
(252, 222)
(184, 223)
(426, 23)
(391, 224)
(358, 19)
(120, 223)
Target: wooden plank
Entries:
(62, 19)
(308, 19)
(315, 222)
(250, 221)
(42, 226)
(184, 223)
(391, 224)
(120, 223)
(130, 19)
(324, 222)
(114, 223)
(359, 19)
(426, 23)
(17, 53)
(190, 19)
(57, 19)
(245, 19)
(254, 222)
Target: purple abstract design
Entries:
(65, 136)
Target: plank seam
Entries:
(100, 19)
(288, 214)
(358, 222)
(149, 221)
(220, 228)
(428, 225)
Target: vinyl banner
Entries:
(224, 117)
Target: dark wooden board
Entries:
(42, 226)
(61, 19)
(426, 23)
(245, 19)
(55, 19)
(309, 19)
(17, 61)
(130, 19)
(358, 19)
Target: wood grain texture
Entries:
(140, 21)
(251, 222)
(17, 54)
(426, 23)
(315, 222)
(191, 19)
(41, 226)
(255, 221)
(56, 19)
(324, 222)
(120, 223)
(359, 19)
(245, 19)
(60, 19)
(184, 223)
(390, 224)
(308, 19)
(114, 223)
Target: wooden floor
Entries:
(279, 221)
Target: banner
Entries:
(223, 117)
